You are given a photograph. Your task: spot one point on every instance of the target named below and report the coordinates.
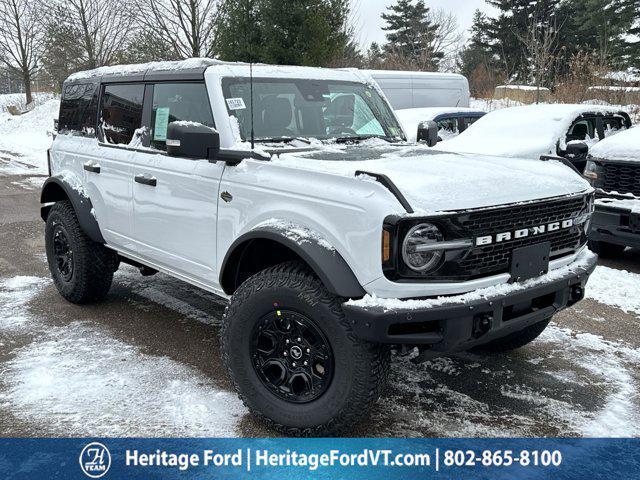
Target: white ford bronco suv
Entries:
(333, 238)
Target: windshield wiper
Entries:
(283, 140)
(360, 138)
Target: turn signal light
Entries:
(386, 246)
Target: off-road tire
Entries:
(361, 368)
(515, 340)
(93, 263)
(605, 249)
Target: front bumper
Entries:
(457, 323)
(613, 224)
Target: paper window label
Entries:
(162, 122)
(236, 104)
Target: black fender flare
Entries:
(56, 189)
(328, 264)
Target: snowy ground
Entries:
(146, 362)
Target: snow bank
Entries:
(24, 140)
(630, 204)
(623, 146)
(617, 288)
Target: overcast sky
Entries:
(369, 24)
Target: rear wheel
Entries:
(291, 355)
(82, 269)
(605, 249)
(515, 340)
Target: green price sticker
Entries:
(162, 122)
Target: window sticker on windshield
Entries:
(236, 104)
(162, 122)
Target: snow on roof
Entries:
(402, 73)
(289, 71)
(622, 146)
(522, 87)
(529, 131)
(629, 75)
(613, 88)
(138, 68)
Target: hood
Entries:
(621, 146)
(434, 181)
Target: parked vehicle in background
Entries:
(450, 121)
(333, 239)
(534, 131)
(422, 89)
(614, 169)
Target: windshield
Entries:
(288, 109)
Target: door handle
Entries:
(146, 180)
(92, 167)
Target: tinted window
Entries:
(121, 113)
(290, 108)
(79, 109)
(178, 102)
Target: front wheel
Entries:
(292, 357)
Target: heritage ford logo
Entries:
(525, 232)
(95, 460)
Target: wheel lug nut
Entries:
(285, 354)
(287, 340)
(308, 350)
(294, 364)
(305, 362)
(299, 339)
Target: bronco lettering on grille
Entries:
(524, 232)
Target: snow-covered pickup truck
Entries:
(333, 239)
(614, 169)
(535, 131)
(449, 121)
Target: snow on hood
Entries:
(622, 146)
(434, 181)
(526, 132)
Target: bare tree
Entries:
(540, 44)
(105, 27)
(188, 25)
(20, 39)
(447, 38)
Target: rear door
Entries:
(109, 167)
(175, 199)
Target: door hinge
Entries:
(226, 196)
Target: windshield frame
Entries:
(379, 115)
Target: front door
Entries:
(176, 199)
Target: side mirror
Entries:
(576, 150)
(428, 132)
(192, 140)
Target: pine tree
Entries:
(410, 32)
(292, 32)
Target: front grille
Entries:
(494, 259)
(621, 178)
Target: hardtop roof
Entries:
(194, 69)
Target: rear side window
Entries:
(121, 114)
(174, 102)
(79, 109)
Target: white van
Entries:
(422, 89)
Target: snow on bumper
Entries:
(617, 220)
(461, 322)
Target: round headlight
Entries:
(422, 259)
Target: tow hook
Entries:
(481, 324)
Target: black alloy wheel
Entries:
(63, 253)
(291, 356)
